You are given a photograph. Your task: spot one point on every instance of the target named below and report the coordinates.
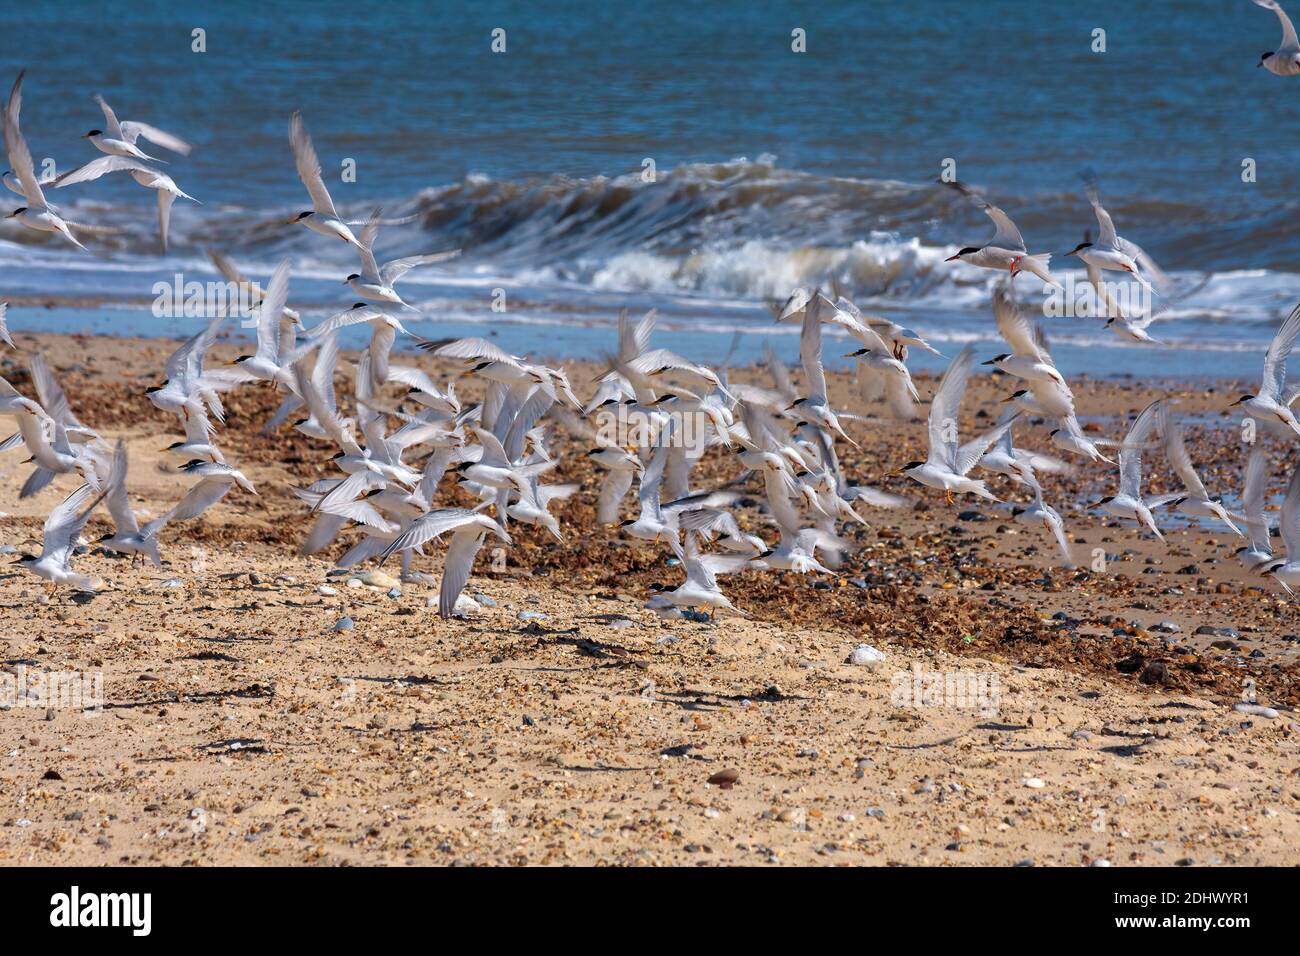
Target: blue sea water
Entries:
(772, 168)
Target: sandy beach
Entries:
(1022, 712)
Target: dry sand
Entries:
(238, 726)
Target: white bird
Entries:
(621, 468)
(797, 551)
(37, 213)
(1128, 503)
(62, 528)
(468, 529)
(269, 364)
(706, 522)
(1109, 252)
(374, 283)
(534, 499)
(1028, 358)
(815, 405)
(1288, 572)
(1285, 60)
(1195, 500)
(653, 522)
(119, 138)
(1041, 513)
(1069, 436)
(1260, 548)
(128, 537)
(1270, 404)
(948, 464)
(322, 217)
(383, 334)
(877, 363)
(700, 589)
(1006, 250)
(216, 480)
(147, 176)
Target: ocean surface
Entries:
(772, 169)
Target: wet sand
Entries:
(565, 724)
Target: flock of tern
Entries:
(405, 437)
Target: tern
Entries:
(1285, 60)
(1252, 502)
(120, 137)
(62, 528)
(700, 589)
(166, 188)
(1109, 251)
(374, 283)
(1006, 250)
(216, 480)
(1069, 436)
(1029, 358)
(1288, 572)
(468, 529)
(621, 467)
(322, 217)
(1128, 503)
(1041, 513)
(1271, 403)
(128, 537)
(948, 464)
(1195, 500)
(37, 213)
(269, 363)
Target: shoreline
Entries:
(506, 739)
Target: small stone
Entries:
(1157, 672)
(726, 779)
(344, 624)
(866, 656)
(378, 579)
(1034, 783)
(531, 616)
(326, 591)
(1256, 710)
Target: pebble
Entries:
(1100, 862)
(726, 779)
(485, 600)
(866, 655)
(531, 616)
(327, 591)
(1166, 627)
(1218, 631)
(344, 624)
(1256, 710)
(1034, 783)
(378, 579)
(666, 640)
(464, 606)
(172, 583)
(394, 592)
